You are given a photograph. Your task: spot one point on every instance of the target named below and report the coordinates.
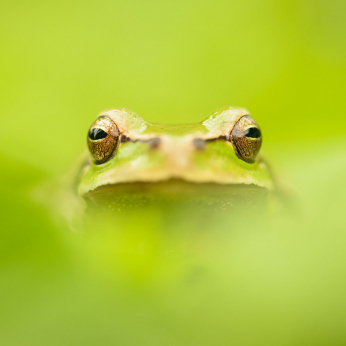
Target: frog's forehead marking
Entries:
(131, 125)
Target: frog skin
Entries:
(127, 153)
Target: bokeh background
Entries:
(245, 280)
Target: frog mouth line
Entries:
(174, 185)
(175, 193)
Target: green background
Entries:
(275, 280)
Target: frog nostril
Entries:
(154, 142)
(199, 143)
(96, 134)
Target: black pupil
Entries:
(252, 132)
(96, 134)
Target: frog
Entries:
(133, 162)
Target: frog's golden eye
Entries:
(103, 139)
(246, 139)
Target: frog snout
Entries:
(178, 151)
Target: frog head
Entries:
(124, 149)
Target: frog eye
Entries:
(103, 139)
(246, 138)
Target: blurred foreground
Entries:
(181, 276)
